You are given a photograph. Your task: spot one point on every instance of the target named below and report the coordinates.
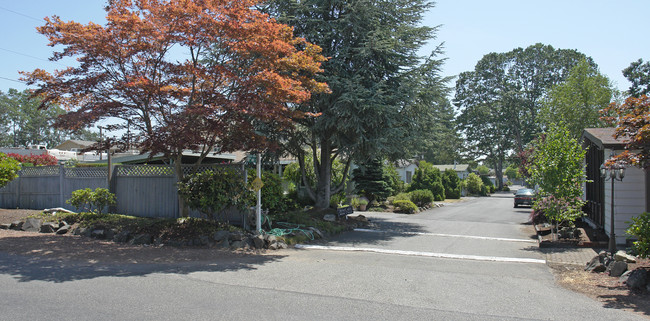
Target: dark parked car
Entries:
(524, 196)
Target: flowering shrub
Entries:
(36, 160)
(559, 210)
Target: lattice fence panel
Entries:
(39, 171)
(86, 172)
(188, 170)
(145, 170)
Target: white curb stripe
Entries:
(425, 254)
(450, 235)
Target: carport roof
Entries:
(604, 137)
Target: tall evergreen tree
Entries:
(372, 181)
(377, 80)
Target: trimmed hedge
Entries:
(407, 207)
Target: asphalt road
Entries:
(472, 260)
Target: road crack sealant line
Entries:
(449, 235)
(424, 254)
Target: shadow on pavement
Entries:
(62, 259)
(386, 230)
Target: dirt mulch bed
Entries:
(603, 288)
(589, 237)
(84, 249)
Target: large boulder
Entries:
(49, 227)
(122, 236)
(16, 225)
(596, 265)
(258, 241)
(617, 268)
(5, 226)
(32, 225)
(219, 236)
(236, 236)
(637, 279)
(141, 239)
(63, 229)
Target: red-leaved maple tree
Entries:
(632, 121)
(181, 74)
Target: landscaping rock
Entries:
(16, 225)
(270, 239)
(141, 239)
(63, 229)
(637, 279)
(48, 228)
(223, 244)
(83, 231)
(63, 223)
(617, 268)
(98, 234)
(236, 236)
(258, 242)
(622, 256)
(596, 264)
(204, 240)
(329, 217)
(317, 232)
(219, 236)
(122, 236)
(110, 234)
(5, 226)
(239, 245)
(282, 245)
(32, 225)
(273, 246)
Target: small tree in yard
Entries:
(9, 168)
(474, 184)
(557, 167)
(372, 181)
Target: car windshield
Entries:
(525, 191)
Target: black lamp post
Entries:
(614, 173)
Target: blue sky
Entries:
(613, 33)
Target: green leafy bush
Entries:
(402, 197)
(394, 180)
(407, 207)
(451, 183)
(421, 197)
(213, 192)
(91, 201)
(488, 184)
(640, 228)
(9, 168)
(428, 177)
(474, 184)
(273, 198)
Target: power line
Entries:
(33, 57)
(14, 80)
(21, 14)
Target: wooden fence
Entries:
(140, 190)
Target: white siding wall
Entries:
(629, 201)
(402, 171)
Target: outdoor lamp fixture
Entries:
(614, 173)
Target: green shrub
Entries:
(405, 207)
(394, 180)
(474, 184)
(212, 192)
(451, 183)
(92, 201)
(402, 197)
(9, 168)
(488, 184)
(640, 228)
(428, 177)
(273, 198)
(422, 197)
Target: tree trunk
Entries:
(324, 183)
(178, 170)
(498, 171)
